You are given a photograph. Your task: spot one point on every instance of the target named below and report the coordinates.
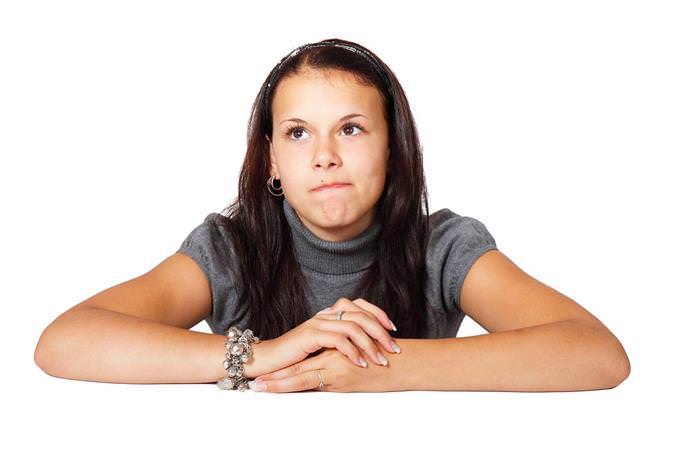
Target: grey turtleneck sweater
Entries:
(330, 268)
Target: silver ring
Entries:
(339, 315)
(320, 379)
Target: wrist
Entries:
(399, 374)
(261, 361)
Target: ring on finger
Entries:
(339, 315)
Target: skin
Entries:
(326, 148)
(539, 339)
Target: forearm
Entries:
(560, 356)
(101, 345)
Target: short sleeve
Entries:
(455, 244)
(209, 245)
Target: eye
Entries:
(297, 129)
(293, 130)
(352, 126)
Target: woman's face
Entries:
(329, 128)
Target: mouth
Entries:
(331, 187)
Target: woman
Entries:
(332, 213)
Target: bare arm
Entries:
(93, 344)
(562, 356)
(138, 332)
(539, 340)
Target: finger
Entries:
(377, 312)
(361, 304)
(324, 337)
(308, 380)
(370, 325)
(310, 363)
(357, 325)
(288, 371)
(378, 333)
(335, 337)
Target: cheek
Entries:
(291, 177)
(369, 187)
(370, 175)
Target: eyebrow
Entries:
(346, 117)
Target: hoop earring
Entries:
(270, 186)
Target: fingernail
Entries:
(257, 386)
(394, 328)
(395, 346)
(382, 359)
(362, 362)
(325, 310)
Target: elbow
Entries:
(42, 354)
(609, 362)
(621, 370)
(39, 356)
(619, 364)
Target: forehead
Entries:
(314, 93)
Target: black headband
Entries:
(328, 43)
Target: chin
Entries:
(326, 222)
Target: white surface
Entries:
(122, 125)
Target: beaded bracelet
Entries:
(238, 353)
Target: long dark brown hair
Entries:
(271, 286)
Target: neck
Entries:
(332, 257)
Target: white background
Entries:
(122, 124)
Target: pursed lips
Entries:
(332, 186)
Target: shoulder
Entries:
(455, 242)
(214, 223)
(209, 244)
(212, 232)
(447, 226)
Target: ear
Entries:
(273, 167)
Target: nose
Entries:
(326, 156)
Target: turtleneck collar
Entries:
(329, 257)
